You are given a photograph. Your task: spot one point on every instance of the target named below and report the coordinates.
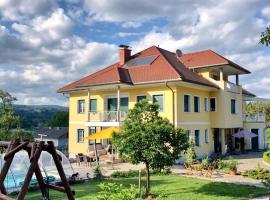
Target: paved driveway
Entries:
(250, 161)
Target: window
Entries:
(205, 104)
(158, 99)
(212, 104)
(215, 77)
(93, 105)
(81, 106)
(141, 97)
(206, 136)
(233, 106)
(186, 103)
(197, 137)
(91, 131)
(80, 135)
(197, 104)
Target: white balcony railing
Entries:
(107, 116)
(257, 117)
(231, 87)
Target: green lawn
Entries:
(173, 186)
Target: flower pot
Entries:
(233, 172)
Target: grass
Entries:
(172, 186)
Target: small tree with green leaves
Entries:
(148, 138)
(8, 120)
(190, 153)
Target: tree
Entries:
(148, 138)
(59, 119)
(8, 120)
(265, 37)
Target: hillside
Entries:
(36, 115)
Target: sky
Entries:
(46, 44)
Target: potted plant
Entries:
(232, 166)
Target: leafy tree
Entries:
(59, 119)
(148, 138)
(265, 37)
(8, 120)
(259, 107)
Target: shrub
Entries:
(266, 157)
(259, 174)
(113, 191)
(97, 174)
(222, 165)
(191, 156)
(232, 164)
(135, 173)
(206, 162)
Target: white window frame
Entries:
(163, 104)
(78, 106)
(210, 104)
(77, 138)
(195, 137)
(206, 104)
(189, 104)
(206, 136)
(199, 99)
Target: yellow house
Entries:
(193, 91)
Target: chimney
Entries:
(124, 54)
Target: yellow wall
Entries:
(222, 118)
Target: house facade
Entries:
(193, 91)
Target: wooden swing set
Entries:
(34, 150)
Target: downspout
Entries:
(173, 102)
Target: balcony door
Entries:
(255, 140)
(112, 104)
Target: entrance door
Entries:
(217, 145)
(255, 140)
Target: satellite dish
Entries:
(179, 53)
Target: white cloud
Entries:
(20, 10)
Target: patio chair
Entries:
(79, 158)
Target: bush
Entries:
(97, 173)
(135, 173)
(191, 156)
(266, 157)
(258, 173)
(232, 164)
(113, 191)
(206, 162)
(222, 165)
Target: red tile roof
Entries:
(164, 67)
(207, 58)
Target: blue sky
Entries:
(46, 44)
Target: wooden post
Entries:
(38, 173)
(30, 172)
(52, 150)
(12, 152)
(5, 168)
(96, 153)
(118, 103)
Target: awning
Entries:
(104, 134)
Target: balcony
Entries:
(231, 87)
(257, 117)
(107, 116)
